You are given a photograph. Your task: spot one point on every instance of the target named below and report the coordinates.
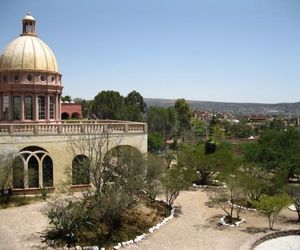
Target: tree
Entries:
(156, 167)
(117, 177)
(198, 127)
(108, 105)
(227, 198)
(277, 124)
(271, 206)
(184, 114)
(6, 169)
(162, 120)
(294, 192)
(276, 150)
(155, 142)
(204, 165)
(86, 106)
(135, 106)
(241, 130)
(66, 98)
(254, 183)
(176, 179)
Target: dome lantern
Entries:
(28, 25)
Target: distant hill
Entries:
(233, 108)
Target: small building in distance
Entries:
(71, 110)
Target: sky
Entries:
(207, 50)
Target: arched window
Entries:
(33, 172)
(33, 162)
(80, 170)
(47, 172)
(18, 173)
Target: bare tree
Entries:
(6, 169)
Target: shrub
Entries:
(271, 206)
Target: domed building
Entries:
(30, 83)
(31, 125)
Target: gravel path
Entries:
(20, 227)
(194, 228)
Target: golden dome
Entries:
(28, 52)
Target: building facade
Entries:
(30, 117)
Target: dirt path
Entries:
(194, 228)
(20, 227)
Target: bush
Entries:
(271, 206)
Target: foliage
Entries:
(204, 165)
(277, 124)
(112, 105)
(184, 114)
(6, 169)
(86, 106)
(156, 166)
(108, 105)
(162, 120)
(241, 130)
(276, 150)
(254, 183)
(176, 179)
(198, 128)
(118, 178)
(44, 192)
(227, 198)
(66, 98)
(294, 191)
(155, 142)
(271, 206)
(136, 106)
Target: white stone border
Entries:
(210, 186)
(236, 224)
(143, 236)
(241, 207)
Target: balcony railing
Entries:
(75, 127)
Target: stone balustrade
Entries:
(75, 127)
